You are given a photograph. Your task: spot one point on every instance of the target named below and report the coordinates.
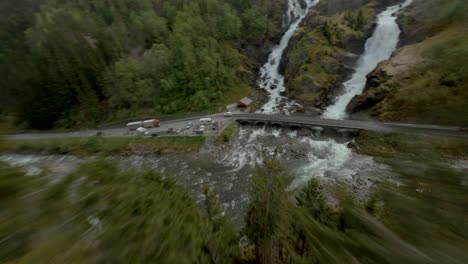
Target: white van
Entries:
(206, 121)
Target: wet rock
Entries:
(297, 109)
(352, 145)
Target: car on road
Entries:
(227, 114)
(142, 130)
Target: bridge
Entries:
(345, 126)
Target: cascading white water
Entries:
(378, 48)
(338, 157)
(270, 78)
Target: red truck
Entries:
(151, 123)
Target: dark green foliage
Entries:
(356, 20)
(76, 62)
(221, 238)
(269, 199)
(312, 201)
(101, 215)
(331, 32)
(426, 214)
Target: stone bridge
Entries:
(345, 126)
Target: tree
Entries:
(221, 238)
(269, 201)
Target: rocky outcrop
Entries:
(372, 94)
(385, 78)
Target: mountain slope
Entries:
(426, 80)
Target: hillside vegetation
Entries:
(99, 214)
(425, 81)
(70, 63)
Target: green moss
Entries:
(309, 96)
(104, 146)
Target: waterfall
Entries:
(378, 48)
(270, 79)
(324, 157)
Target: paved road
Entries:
(176, 125)
(181, 124)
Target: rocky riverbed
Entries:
(227, 169)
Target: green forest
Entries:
(78, 63)
(99, 214)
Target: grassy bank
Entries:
(104, 146)
(227, 134)
(420, 147)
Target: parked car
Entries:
(142, 130)
(189, 125)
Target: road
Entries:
(181, 126)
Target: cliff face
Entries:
(323, 52)
(426, 79)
